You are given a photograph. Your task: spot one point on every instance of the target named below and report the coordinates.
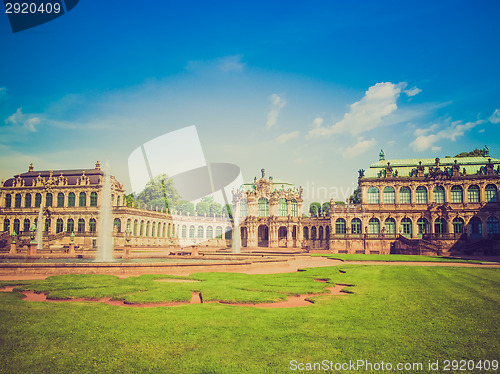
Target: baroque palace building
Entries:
(422, 206)
(408, 206)
(69, 201)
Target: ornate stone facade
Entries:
(437, 205)
(70, 200)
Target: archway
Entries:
(282, 236)
(263, 236)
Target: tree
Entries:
(326, 207)
(475, 153)
(159, 191)
(130, 200)
(355, 198)
(203, 208)
(228, 210)
(185, 207)
(340, 202)
(315, 209)
(215, 209)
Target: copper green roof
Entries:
(404, 166)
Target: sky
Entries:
(310, 91)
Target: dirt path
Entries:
(292, 265)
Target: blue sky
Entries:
(310, 91)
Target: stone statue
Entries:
(361, 173)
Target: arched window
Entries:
(8, 200)
(141, 229)
(118, 200)
(356, 226)
(243, 208)
(153, 231)
(492, 226)
(48, 201)
(282, 208)
(26, 225)
(191, 232)
(295, 208)
(389, 195)
(320, 233)
(6, 224)
(218, 232)
(475, 227)
(439, 194)
(340, 226)
(27, 200)
(374, 226)
(93, 199)
(229, 233)
(263, 207)
(135, 228)
(200, 232)
(313, 232)
(70, 225)
(390, 226)
(423, 226)
(92, 225)
(59, 225)
(306, 233)
(406, 226)
(405, 195)
(118, 224)
(17, 226)
(148, 229)
(71, 199)
(18, 200)
(60, 200)
(474, 195)
(47, 224)
(38, 200)
(210, 232)
(421, 195)
(81, 225)
(457, 194)
(373, 195)
(458, 225)
(83, 199)
(184, 231)
(440, 226)
(491, 193)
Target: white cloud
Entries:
(231, 63)
(26, 121)
(283, 138)
(435, 149)
(360, 147)
(426, 138)
(495, 117)
(3, 92)
(366, 114)
(225, 64)
(277, 103)
(412, 91)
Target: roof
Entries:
(71, 175)
(404, 167)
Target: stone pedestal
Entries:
(13, 249)
(194, 251)
(32, 249)
(71, 250)
(126, 252)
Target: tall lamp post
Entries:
(33, 245)
(128, 236)
(13, 250)
(71, 250)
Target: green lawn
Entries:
(395, 314)
(392, 258)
